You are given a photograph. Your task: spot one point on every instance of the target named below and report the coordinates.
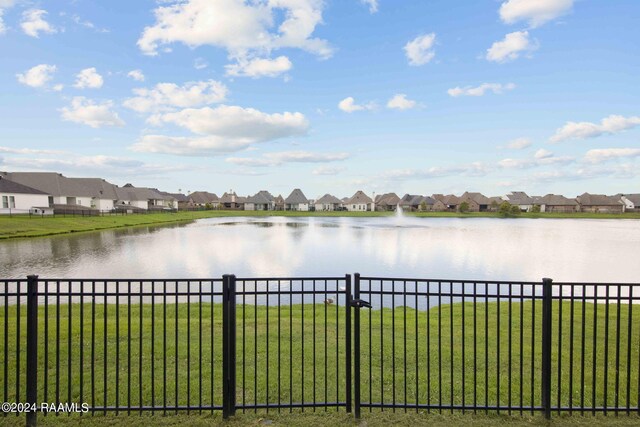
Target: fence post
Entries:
(348, 340)
(32, 348)
(228, 345)
(356, 350)
(546, 345)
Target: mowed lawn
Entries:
(172, 354)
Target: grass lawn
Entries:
(298, 354)
(20, 226)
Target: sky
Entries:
(333, 96)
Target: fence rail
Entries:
(305, 343)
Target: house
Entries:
(231, 200)
(279, 203)
(387, 202)
(405, 201)
(145, 198)
(328, 203)
(18, 198)
(422, 203)
(105, 194)
(359, 202)
(599, 203)
(631, 202)
(181, 201)
(261, 201)
(447, 203)
(477, 202)
(131, 199)
(520, 199)
(296, 201)
(204, 198)
(63, 192)
(554, 203)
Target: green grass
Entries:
(288, 332)
(22, 226)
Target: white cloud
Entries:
(536, 12)
(420, 51)
(105, 165)
(259, 67)
(245, 29)
(200, 64)
(372, 4)
(225, 129)
(519, 143)
(475, 169)
(276, 159)
(88, 79)
(237, 122)
(605, 154)
(38, 76)
(88, 24)
(349, 105)
(167, 96)
(541, 157)
(327, 170)
(581, 130)
(136, 75)
(10, 150)
(543, 154)
(496, 88)
(33, 23)
(4, 5)
(400, 102)
(510, 47)
(91, 113)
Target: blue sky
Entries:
(329, 96)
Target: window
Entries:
(5, 202)
(12, 202)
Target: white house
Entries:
(17, 198)
(327, 203)
(296, 201)
(261, 201)
(60, 189)
(631, 202)
(359, 202)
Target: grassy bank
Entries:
(290, 350)
(21, 226)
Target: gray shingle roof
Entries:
(556, 200)
(634, 198)
(99, 187)
(203, 197)
(328, 199)
(587, 199)
(261, 198)
(296, 197)
(519, 198)
(476, 197)
(359, 198)
(10, 187)
(388, 199)
(52, 183)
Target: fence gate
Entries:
(290, 344)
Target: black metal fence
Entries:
(260, 344)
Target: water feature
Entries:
(469, 248)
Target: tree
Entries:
(423, 206)
(515, 210)
(494, 205)
(505, 209)
(535, 209)
(464, 207)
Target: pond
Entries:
(447, 248)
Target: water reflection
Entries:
(483, 249)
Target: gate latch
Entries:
(360, 303)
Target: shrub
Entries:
(464, 207)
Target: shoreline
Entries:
(23, 226)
